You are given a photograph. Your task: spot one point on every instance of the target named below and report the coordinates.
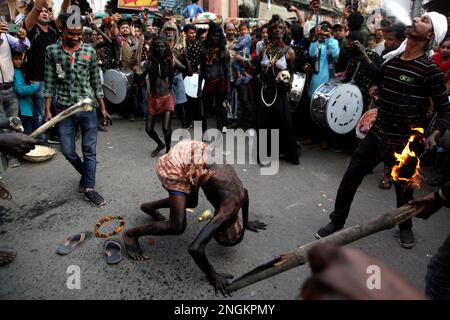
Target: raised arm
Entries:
(32, 18)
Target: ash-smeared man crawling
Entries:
(182, 171)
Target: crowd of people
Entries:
(245, 75)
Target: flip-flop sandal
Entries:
(72, 242)
(113, 251)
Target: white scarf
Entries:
(439, 22)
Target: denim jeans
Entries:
(39, 108)
(9, 104)
(437, 279)
(370, 152)
(88, 123)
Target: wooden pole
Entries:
(83, 105)
(300, 255)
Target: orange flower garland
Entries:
(103, 220)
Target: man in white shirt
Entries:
(8, 100)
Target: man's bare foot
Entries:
(155, 214)
(133, 248)
(6, 257)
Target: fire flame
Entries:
(406, 156)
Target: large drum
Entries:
(191, 85)
(337, 106)
(117, 84)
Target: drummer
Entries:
(324, 52)
(127, 48)
(355, 70)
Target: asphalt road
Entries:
(294, 203)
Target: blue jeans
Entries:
(438, 275)
(39, 108)
(9, 104)
(88, 123)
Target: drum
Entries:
(297, 87)
(337, 106)
(117, 84)
(191, 85)
(366, 122)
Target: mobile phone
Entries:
(2, 19)
(13, 28)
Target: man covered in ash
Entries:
(160, 68)
(182, 171)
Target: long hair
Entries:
(215, 28)
(161, 68)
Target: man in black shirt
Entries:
(41, 35)
(408, 78)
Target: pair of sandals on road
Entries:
(113, 248)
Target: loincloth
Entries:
(232, 235)
(160, 105)
(218, 86)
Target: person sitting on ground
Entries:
(182, 171)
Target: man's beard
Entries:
(44, 21)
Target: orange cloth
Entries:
(158, 106)
(181, 168)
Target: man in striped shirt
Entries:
(407, 79)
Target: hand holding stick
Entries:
(83, 105)
(299, 256)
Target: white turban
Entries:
(440, 26)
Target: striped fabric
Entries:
(231, 235)
(19, 19)
(183, 166)
(403, 99)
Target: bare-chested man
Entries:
(160, 68)
(214, 69)
(182, 172)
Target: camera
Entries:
(324, 28)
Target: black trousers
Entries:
(438, 275)
(369, 153)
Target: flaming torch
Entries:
(408, 169)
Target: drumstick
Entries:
(109, 88)
(83, 105)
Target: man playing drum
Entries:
(182, 171)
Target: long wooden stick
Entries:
(300, 255)
(83, 105)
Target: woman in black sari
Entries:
(271, 96)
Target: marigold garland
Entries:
(105, 219)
